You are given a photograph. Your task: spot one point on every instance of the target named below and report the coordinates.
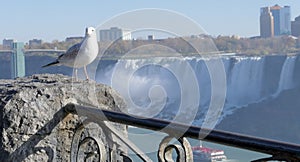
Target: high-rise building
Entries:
(281, 19)
(296, 27)
(276, 16)
(114, 33)
(266, 23)
(285, 20)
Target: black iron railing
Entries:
(278, 150)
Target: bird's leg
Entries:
(86, 74)
(76, 74)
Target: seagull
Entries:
(80, 54)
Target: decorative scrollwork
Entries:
(183, 151)
(87, 146)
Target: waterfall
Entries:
(244, 80)
(286, 75)
(168, 81)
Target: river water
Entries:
(148, 142)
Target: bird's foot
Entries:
(75, 79)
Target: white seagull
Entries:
(80, 54)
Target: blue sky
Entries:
(58, 19)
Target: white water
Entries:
(164, 87)
(244, 81)
(286, 75)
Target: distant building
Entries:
(74, 39)
(275, 10)
(7, 43)
(285, 20)
(35, 42)
(296, 27)
(281, 20)
(114, 33)
(266, 23)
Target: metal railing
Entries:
(278, 150)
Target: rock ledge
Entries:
(34, 126)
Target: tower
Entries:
(17, 60)
(266, 23)
(276, 16)
(285, 20)
(282, 19)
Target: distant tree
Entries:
(191, 45)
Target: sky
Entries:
(57, 19)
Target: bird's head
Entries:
(89, 31)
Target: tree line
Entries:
(192, 45)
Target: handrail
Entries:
(279, 150)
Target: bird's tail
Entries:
(50, 64)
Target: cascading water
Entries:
(244, 80)
(286, 76)
(250, 79)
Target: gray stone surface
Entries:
(33, 125)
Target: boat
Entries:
(205, 154)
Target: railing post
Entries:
(89, 145)
(183, 151)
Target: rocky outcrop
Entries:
(34, 125)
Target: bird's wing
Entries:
(71, 52)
